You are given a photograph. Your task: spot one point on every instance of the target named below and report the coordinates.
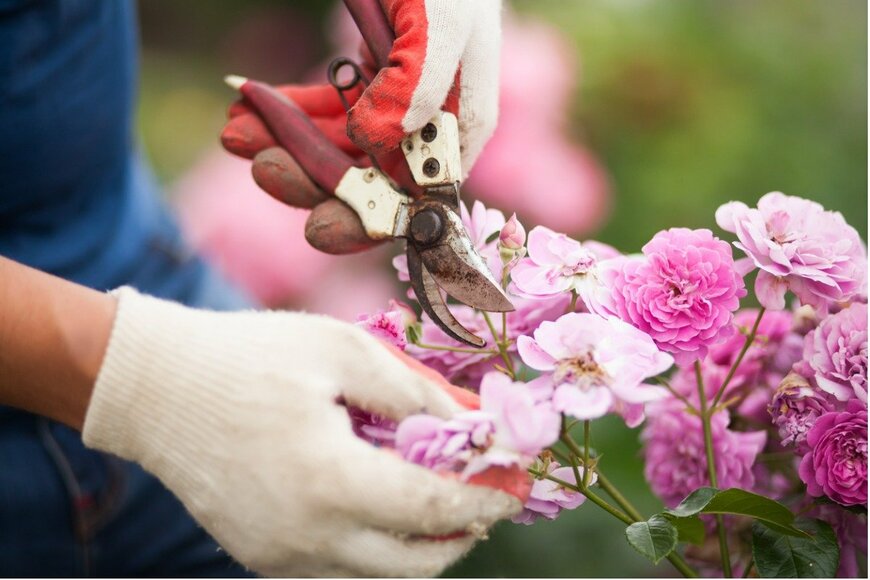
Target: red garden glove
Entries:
(446, 54)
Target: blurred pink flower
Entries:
(530, 151)
(835, 354)
(674, 455)
(682, 292)
(597, 365)
(851, 530)
(259, 243)
(558, 264)
(548, 498)
(797, 246)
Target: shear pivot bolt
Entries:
(428, 133)
(426, 227)
(431, 167)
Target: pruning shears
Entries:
(441, 257)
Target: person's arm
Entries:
(53, 334)
(241, 415)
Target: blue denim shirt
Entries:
(76, 198)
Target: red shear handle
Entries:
(376, 30)
(324, 163)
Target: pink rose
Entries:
(836, 465)
(797, 246)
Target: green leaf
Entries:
(690, 529)
(492, 237)
(739, 502)
(780, 556)
(655, 538)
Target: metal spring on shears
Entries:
(358, 77)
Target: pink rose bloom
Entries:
(675, 459)
(683, 292)
(836, 465)
(795, 407)
(525, 424)
(468, 368)
(835, 354)
(596, 365)
(513, 425)
(558, 264)
(548, 498)
(797, 246)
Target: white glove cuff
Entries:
(138, 409)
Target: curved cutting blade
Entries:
(429, 297)
(461, 271)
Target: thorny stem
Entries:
(711, 464)
(617, 496)
(572, 459)
(504, 326)
(586, 436)
(633, 514)
(750, 338)
(597, 500)
(502, 347)
(666, 384)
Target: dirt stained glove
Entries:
(446, 55)
(238, 414)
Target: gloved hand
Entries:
(237, 414)
(446, 54)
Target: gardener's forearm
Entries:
(53, 334)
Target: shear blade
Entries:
(429, 297)
(462, 272)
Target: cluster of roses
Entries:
(593, 327)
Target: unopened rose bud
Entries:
(513, 235)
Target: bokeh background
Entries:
(619, 118)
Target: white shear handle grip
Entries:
(433, 152)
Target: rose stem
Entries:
(711, 468)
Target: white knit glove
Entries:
(236, 413)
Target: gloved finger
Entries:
(315, 100)
(246, 135)
(479, 84)
(430, 39)
(394, 494)
(380, 554)
(464, 397)
(388, 386)
(334, 228)
(279, 175)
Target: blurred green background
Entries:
(687, 104)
